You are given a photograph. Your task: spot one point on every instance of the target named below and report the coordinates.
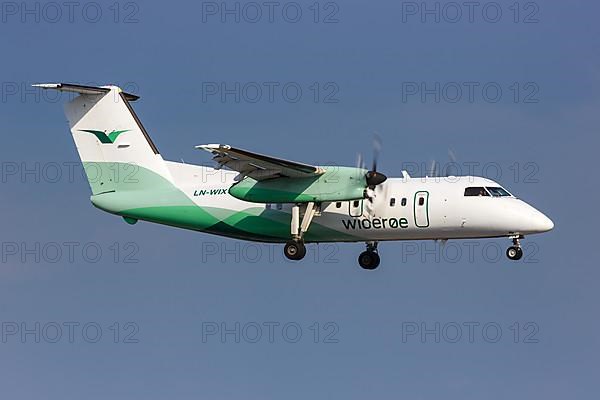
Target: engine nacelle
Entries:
(336, 184)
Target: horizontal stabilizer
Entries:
(82, 89)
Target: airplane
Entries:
(268, 199)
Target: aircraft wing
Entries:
(258, 166)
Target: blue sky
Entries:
(173, 286)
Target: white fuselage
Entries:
(402, 208)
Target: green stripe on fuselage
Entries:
(145, 195)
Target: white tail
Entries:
(112, 142)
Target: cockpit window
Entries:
(498, 192)
(476, 191)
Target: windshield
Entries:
(476, 191)
(498, 192)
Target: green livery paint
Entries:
(103, 137)
(145, 195)
(110, 176)
(336, 184)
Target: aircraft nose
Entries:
(541, 223)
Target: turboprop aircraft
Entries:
(269, 199)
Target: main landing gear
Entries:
(295, 249)
(369, 259)
(515, 252)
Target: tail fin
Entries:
(112, 142)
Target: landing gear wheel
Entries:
(514, 253)
(294, 250)
(369, 260)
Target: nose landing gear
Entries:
(515, 252)
(369, 259)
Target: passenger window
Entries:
(392, 202)
(403, 203)
(338, 204)
(421, 201)
(476, 191)
(355, 203)
(268, 206)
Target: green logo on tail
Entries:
(103, 137)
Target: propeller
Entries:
(435, 171)
(359, 161)
(453, 163)
(451, 155)
(373, 177)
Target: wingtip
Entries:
(46, 85)
(213, 146)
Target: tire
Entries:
(369, 260)
(294, 250)
(514, 253)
